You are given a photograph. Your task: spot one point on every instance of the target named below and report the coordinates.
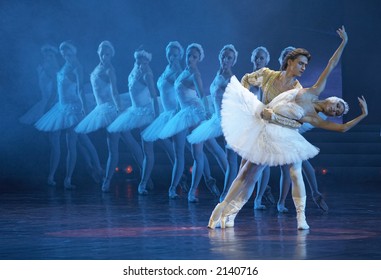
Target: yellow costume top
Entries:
(264, 78)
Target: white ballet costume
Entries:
(192, 110)
(169, 102)
(141, 112)
(105, 112)
(68, 111)
(48, 90)
(211, 128)
(258, 140)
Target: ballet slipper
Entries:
(142, 189)
(281, 208)
(258, 205)
(172, 192)
(68, 185)
(51, 181)
(319, 201)
(106, 185)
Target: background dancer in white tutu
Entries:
(65, 115)
(193, 111)
(142, 112)
(47, 81)
(166, 85)
(260, 57)
(276, 144)
(209, 130)
(103, 82)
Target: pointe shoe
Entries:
(211, 185)
(172, 193)
(51, 182)
(259, 206)
(106, 185)
(268, 195)
(281, 208)
(192, 198)
(142, 190)
(319, 201)
(215, 218)
(68, 185)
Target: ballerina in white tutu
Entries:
(166, 85)
(103, 82)
(47, 81)
(65, 115)
(190, 95)
(261, 142)
(208, 131)
(142, 112)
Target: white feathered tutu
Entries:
(255, 139)
(187, 117)
(102, 116)
(152, 132)
(34, 113)
(206, 130)
(133, 117)
(59, 117)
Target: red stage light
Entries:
(324, 171)
(128, 169)
(190, 169)
(117, 169)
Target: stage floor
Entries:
(42, 222)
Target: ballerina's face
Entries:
(173, 55)
(193, 57)
(227, 59)
(142, 63)
(68, 54)
(334, 109)
(260, 59)
(105, 55)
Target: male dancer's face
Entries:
(297, 66)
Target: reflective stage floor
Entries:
(42, 222)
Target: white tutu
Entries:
(186, 118)
(206, 130)
(151, 133)
(133, 117)
(100, 117)
(255, 139)
(34, 113)
(60, 117)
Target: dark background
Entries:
(26, 25)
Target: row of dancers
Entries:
(184, 120)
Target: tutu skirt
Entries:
(187, 117)
(255, 139)
(60, 117)
(34, 113)
(133, 117)
(206, 130)
(100, 117)
(152, 132)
